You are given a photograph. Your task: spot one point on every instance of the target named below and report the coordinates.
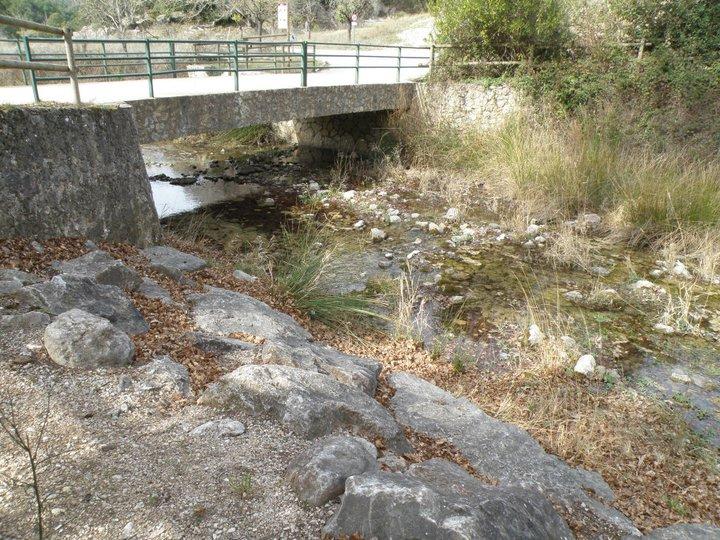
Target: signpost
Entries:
(282, 17)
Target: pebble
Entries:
(452, 214)
(394, 218)
(573, 296)
(664, 328)
(413, 254)
(678, 375)
(435, 228)
(600, 271)
(585, 365)
(535, 335)
(377, 235)
(680, 270)
(389, 256)
(532, 229)
(643, 284)
(349, 195)
(358, 225)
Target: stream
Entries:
(476, 276)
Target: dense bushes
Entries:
(502, 29)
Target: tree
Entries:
(256, 12)
(502, 29)
(308, 12)
(345, 9)
(117, 14)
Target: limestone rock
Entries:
(171, 262)
(151, 289)
(318, 474)
(308, 403)
(225, 427)
(377, 235)
(585, 365)
(505, 452)
(438, 499)
(685, 531)
(10, 274)
(242, 276)
(63, 293)
(163, 373)
(102, 267)
(82, 340)
(359, 372)
(223, 312)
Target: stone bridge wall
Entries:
(74, 172)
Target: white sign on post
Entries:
(354, 18)
(282, 16)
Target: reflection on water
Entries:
(171, 200)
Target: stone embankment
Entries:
(85, 316)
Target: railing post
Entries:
(399, 66)
(104, 55)
(20, 57)
(148, 60)
(173, 64)
(304, 64)
(432, 57)
(357, 64)
(67, 37)
(33, 77)
(237, 68)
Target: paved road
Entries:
(341, 72)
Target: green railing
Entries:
(152, 59)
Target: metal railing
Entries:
(31, 66)
(40, 58)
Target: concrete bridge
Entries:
(78, 171)
(172, 117)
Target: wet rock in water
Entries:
(151, 289)
(225, 427)
(171, 262)
(82, 340)
(377, 235)
(102, 267)
(585, 365)
(362, 373)
(310, 404)
(10, 274)
(63, 293)
(318, 474)
(164, 374)
(438, 499)
(242, 276)
(507, 453)
(183, 181)
(685, 531)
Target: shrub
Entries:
(502, 29)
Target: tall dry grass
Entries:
(551, 168)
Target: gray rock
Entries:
(242, 276)
(10, 287)
(102, 267)
(150, 289)
(318, 474)
(310, 404)
(63, 293)
(438, 499)
(8, 274)
(83, 340)
(219, 345)
(219, 311)
(223, 312)
(171, 262)
(164, 374)
(225, 427)
(359, 372)
(685, 531)
(505, 452)
(24, 323)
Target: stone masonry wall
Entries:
(467, 105)
(74, 172)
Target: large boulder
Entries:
(310, 404)
(318, 474)
(82, 340)
(507, 453)
(171, 262)
(438, 499)
(102, 267)
(685, 531)
(223, 312)
(11, 274)
(151, 289)
(63, 293)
